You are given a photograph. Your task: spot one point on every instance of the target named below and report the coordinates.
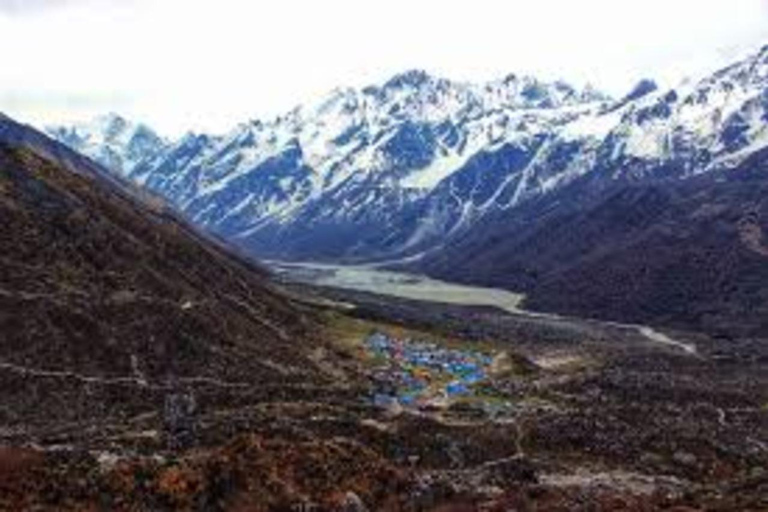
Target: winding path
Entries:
(138, 381)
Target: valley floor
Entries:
(380, 281)
(604, 415)
(434, 406)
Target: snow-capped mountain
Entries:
(701, 126)
(361, 162)
(393, 170)
(111, 140)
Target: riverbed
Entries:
(398, 284)
(404, 285)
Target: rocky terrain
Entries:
(684, 254)
(120, 324)
(113, 141)
(146, 367)
(101, 287)
(600, 417)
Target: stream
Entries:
(404, 285)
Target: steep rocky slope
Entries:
(113, 141)
(142, 367)
(108, 301)
(690, 254)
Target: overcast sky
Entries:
(206, 65)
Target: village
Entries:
(420, 375)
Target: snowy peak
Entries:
(111, 140)
(750, 74)
(412, 124)
(414, 78)
(590, 94)
(642, 88)
(513, 91)
(110, 126)
(396, 168)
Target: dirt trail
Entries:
(135, 380)
(662, 338)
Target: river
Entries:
(418, 287)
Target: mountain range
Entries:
(149, 363)
(451, 178)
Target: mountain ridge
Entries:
(429, 171)
(426, 142)
(118, 293)
(403, 158)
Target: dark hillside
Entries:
(99, 290)
(691, 254)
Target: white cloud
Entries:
(19, 7)
(182, 64)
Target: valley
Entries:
(648, 208)
(596, 410)
(435, 404)
(377, 280)
(405, 285)
(417, 295)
